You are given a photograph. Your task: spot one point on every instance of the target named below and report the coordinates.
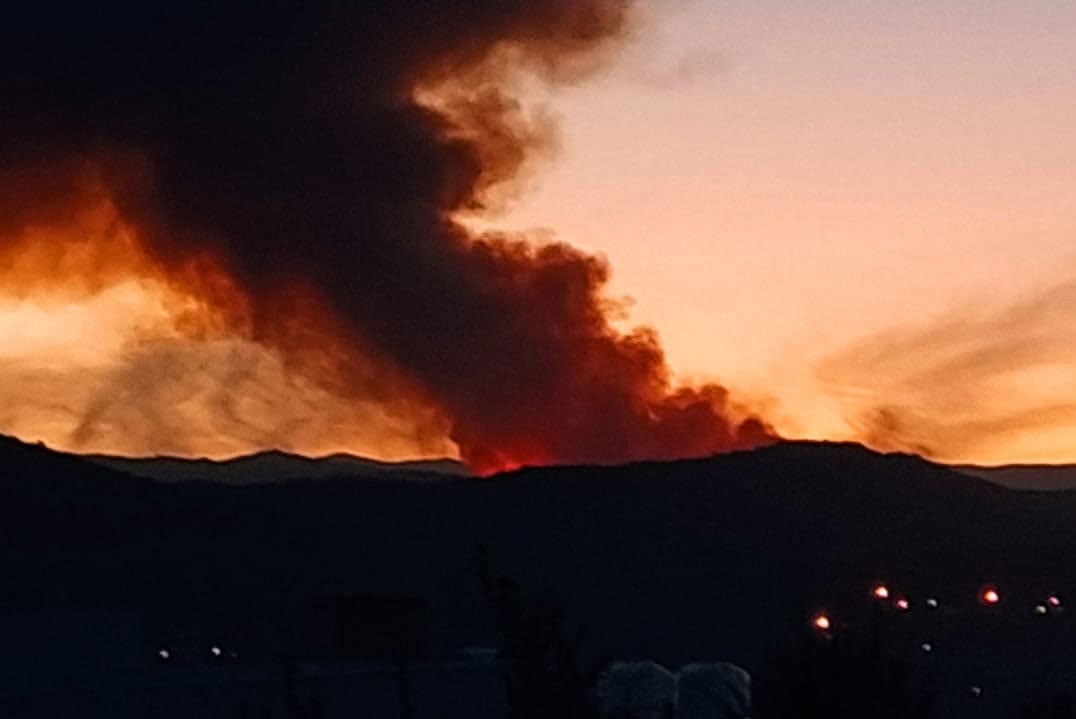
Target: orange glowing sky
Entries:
(857, 214)
(99, 352)
(839, 207)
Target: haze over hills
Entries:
(1039, 477)
(276, 465)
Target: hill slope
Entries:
(272, 466)
(717, 557)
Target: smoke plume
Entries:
(298, 172)
(978, 384)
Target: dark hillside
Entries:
(705, 558)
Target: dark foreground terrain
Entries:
(726, 558)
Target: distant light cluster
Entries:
(215, 651)
(989, 596)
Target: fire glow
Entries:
(273, 301)
(105, 350)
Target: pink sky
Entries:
(857, 214)
(776, 183)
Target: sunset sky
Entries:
(777, 183)
(855, 215)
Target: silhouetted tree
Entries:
(546, 676)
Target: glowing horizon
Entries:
(857, 218)
(804, 199)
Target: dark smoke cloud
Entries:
(287, 140)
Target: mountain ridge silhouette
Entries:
(721, 557)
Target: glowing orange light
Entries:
(991, 596)
(881, 591)
(822, 622)
(903, 604)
